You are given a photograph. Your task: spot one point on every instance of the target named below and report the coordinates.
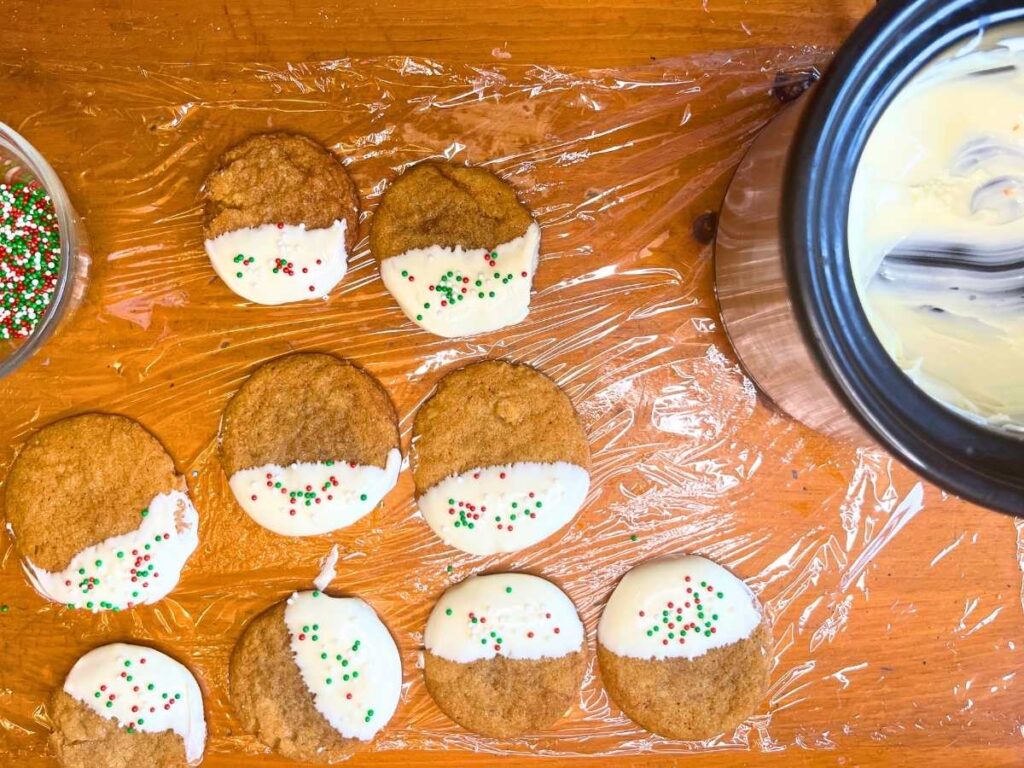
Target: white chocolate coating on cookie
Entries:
(135, 568)
(308, 499)
(504, 508)
(278, 264)
(347, 659)
(453, 292)
(677, 607)
(143, 690)
(514, 615)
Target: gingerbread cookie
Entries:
(315, 675)
(99, 514)
(456, 248)
(501, 461)
(281, 215)
(684, 648)
(123, 706)
(310, 444)
(504, 654)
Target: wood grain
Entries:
(919, 669)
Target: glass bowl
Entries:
(20, 162)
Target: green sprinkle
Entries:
(110, 704)
(120, 554)
(145, 512)
(634, 537)
(448, 612)
(329, 681)
(4, 608)
(316, 593)
(508, 590)
(362, 497)
(720, 594)
(150, 687)
(238, 275)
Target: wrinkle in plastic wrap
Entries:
(617, 165)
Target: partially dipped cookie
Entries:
(500, 458)
(314, 676)
(456, 249)
(127, 705)
(281, 215)
(310, 444)
(99, 515)
(504, 654)
(684, 648)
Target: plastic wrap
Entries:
(897, 611)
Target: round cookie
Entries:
(127, 705)
(684, 648)
(456, 248)
(99, 514)
(281, 214)
(500, 459)
(504, 654)
(312, 676)
(310, 444)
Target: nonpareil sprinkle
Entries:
(29, 258)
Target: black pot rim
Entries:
(984, 465)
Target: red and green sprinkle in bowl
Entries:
(42, 266)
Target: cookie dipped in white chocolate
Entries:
(136, 568)
(677, 607)
(143, 690)
(504, 508)
(453, 292)
(308, 499)
(514, 615)
(280, 263)
(347, 659)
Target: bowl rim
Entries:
(27, 155)
(980, 463)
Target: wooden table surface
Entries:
(917, 661)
